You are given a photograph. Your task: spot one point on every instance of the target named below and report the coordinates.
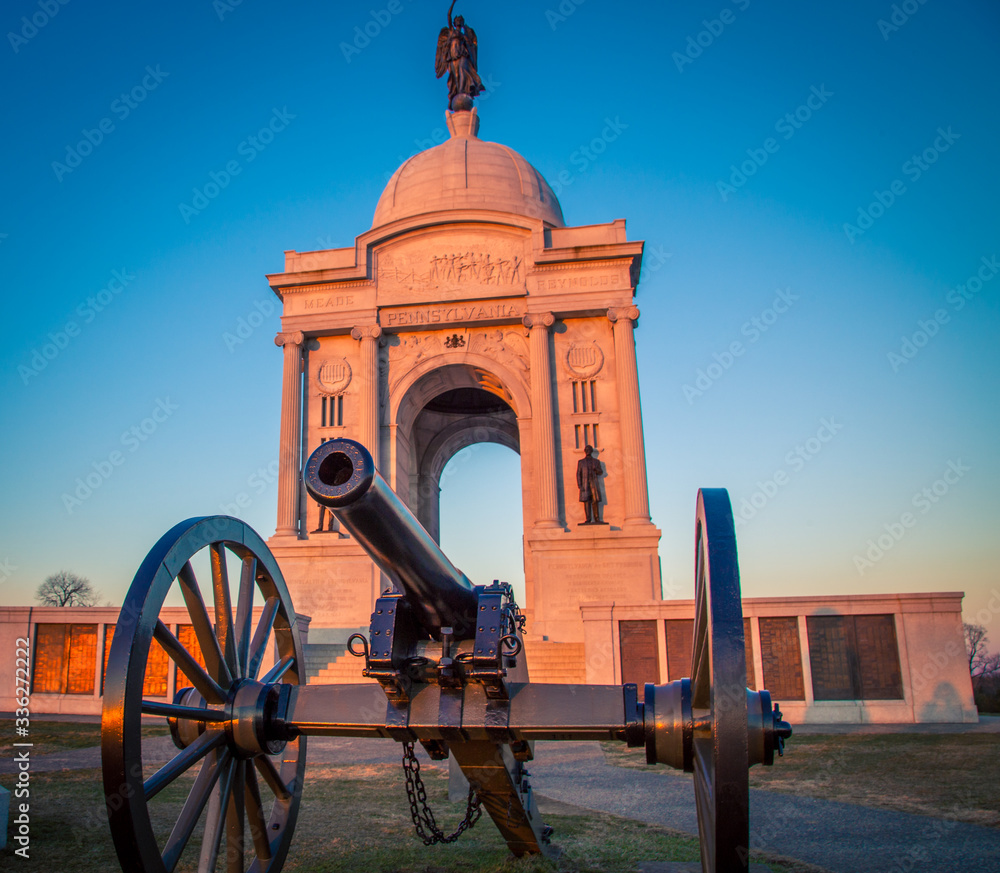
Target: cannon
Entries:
(451, 674)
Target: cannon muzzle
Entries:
(341, 475)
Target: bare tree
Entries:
(982, 664)
(67, 589)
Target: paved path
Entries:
(840, 837)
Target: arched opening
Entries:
(457, 428)
(481, 523)
(458, 408)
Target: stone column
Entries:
(633, 448)
(369, 400)
(542, 422)
(290, 446)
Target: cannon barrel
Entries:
(341, 475)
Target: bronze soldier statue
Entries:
(457, 54)
(329, 527)
(588, 475)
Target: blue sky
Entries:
(745, 137)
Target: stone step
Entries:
(548, 662)
(319, 655)
(344, 670)
(552, 662)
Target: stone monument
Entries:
(469, 312)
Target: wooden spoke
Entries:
(173, 710)
(265, 766)
(223, 606)
(206, 685)
(258, 648)
(203, 628)
(244, 612)
(180, 763)
(255, 815)
(215, 820)
(278, 670)
(211, 769)
(235, 821)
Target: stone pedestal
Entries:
(331, 580)
(593, 563)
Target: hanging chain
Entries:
(422, 814)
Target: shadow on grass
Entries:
(351, 819)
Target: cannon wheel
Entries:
(213, 745)
(719, 689)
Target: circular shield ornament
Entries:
(584, 360)
(334, 376)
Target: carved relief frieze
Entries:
(465, 265)
(406, 351)
(508, 347)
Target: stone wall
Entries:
(905, 652)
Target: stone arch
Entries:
(440, 408)
(402, 396)
(449, 442)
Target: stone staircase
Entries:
(548, 662)
(343, 670)
(320, 655)
(551, 663)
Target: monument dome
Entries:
(466, 172)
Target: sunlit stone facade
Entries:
(469, 313)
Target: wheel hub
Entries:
(250, 711)
(251, 707)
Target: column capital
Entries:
(366, 330)
(538, 319)
(631, 313)
(291, 337)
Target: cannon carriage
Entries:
(451, 674)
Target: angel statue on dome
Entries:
(457, 54)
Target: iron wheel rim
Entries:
(718, 689)
(235, 783)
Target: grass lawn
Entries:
(62, 736)
(353, 819)
(356, 818)
(950, 775)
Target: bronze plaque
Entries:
(187, 638)
(640, 663)
(854, 657)
(680, 639)
(65, 658)
(782, 658)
